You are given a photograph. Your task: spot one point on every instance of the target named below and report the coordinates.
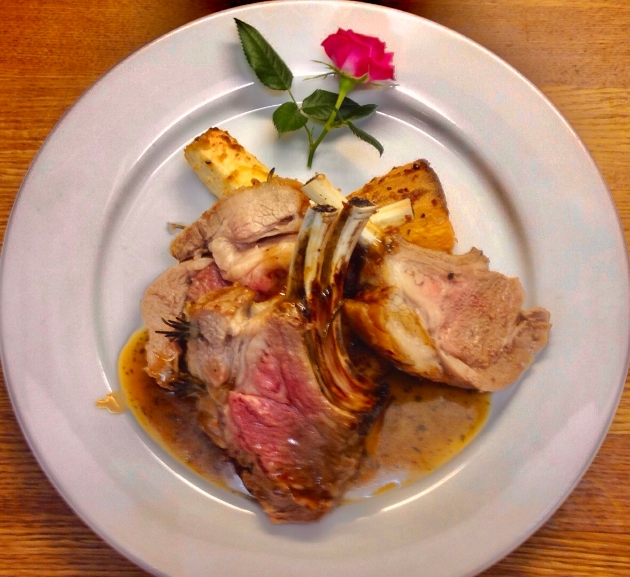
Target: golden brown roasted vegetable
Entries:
(222, 164)
(430, 227)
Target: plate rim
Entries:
(103, 79)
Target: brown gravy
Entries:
(424, 426)
(171, 421)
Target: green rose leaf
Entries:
(366, 137)
(358, 111)
(321, 103)
(269, 68)
(287, 117)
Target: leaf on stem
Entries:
(319, 106)
(269, 68)
(358, 111)
(287, 117)
(366, 137)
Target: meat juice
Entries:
(424, 425)
(170, 420)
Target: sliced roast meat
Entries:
(250, 233)
(262, 266)
(297, 417)
(295, 449)
(246, 216)
(281, 395)
(266, 358)
(205, 281)
(448, 317)
(165, 299)
(214, 321)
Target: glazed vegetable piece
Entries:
(430, 226)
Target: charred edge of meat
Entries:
(324, 208)
(374, 423)
(360, 202)
(359, 212)
(317, 293)
(353, 275)
(356, 392)
(328, 249)
(303, 310)
(309, 252)
(360, 390)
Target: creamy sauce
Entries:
(425, 424)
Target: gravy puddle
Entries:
(424, 425)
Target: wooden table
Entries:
(576, 51)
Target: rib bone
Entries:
(342, 383)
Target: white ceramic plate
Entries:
(88, 234)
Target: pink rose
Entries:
(357, 55)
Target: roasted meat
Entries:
(280, 394)
(250, 233)
(165, 299)
(253, 322)
(447, 317)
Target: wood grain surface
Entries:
(576, 51)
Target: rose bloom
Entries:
(358, 54)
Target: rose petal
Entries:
(358, 54)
